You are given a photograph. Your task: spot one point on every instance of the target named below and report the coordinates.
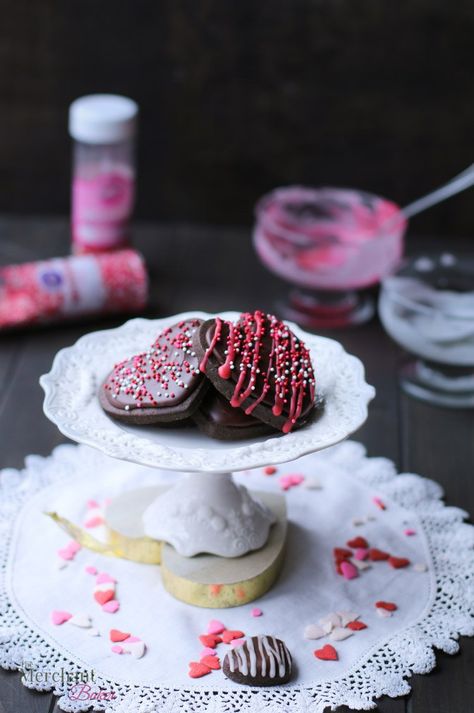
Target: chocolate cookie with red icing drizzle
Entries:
(260, 366)
(160, 385)
(216, 418)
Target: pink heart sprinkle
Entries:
(296, 479)
(111, 607)
(256, 612)
(94, 522)
(380, 504)
(409, 532)
(59, 617)
(73, 546)
(103, 578)
(236, 642)
(349, 571)
(131, 640)
(206, 651)
(361, 553)
(91, 570)
(117, 649)
(215, 627)
(93, 504)
(66, 554)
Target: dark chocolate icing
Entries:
(218, 411)
(259, 661)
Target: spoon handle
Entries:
(455, 185)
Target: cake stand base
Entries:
(204, 580)
(210, 514)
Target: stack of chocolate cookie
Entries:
(234, 380)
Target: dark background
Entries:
(239, 96)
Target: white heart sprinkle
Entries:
(339, 634)
(137, 648)
(313, 631)
(360, 564)
(329, 621)
(420, 567)
(93, 632)
(104, 587)
(61, 564)
(348, 616)
(81, 620)
(383, 612)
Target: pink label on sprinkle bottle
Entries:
(102, 205)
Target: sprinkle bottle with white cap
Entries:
(103, 127)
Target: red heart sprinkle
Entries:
(398, 562)
(389, 606)
(270, 470)
(229, 636)
(117, 635)
(341, 553)
(356, 625)
(376, 555)
(327, 653)
(210, 640)
(197, 669)
(211, 661)
(357, 542)
(104, 597)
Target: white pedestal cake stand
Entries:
(71, 402)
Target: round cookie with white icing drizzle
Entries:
(259, 661)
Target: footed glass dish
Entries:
(428, 308)
(331, 244)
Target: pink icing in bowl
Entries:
(328, 238)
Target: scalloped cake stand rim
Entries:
(113, 440)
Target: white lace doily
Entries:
(434, 607)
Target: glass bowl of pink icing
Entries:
(330, 243)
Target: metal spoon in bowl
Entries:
(455, 185)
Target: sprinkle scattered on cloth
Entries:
(309, 587)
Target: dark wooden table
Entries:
(215, 269)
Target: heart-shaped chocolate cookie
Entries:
(161, 385)
(260, 366)
(218, 419)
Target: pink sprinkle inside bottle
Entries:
(103, 127)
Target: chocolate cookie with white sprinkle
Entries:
(160, 385)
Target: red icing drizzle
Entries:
(215, 338)
(289, 371)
